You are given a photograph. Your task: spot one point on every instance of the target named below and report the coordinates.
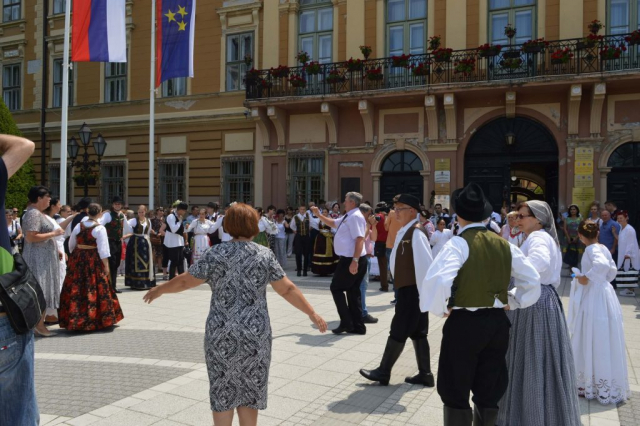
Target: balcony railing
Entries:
(599, 54)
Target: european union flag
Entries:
(175, 30)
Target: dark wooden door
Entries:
(406, 183)
(494, 182)
(623, 187)
(349, 185)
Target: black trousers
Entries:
(380, 251)
(176, 256)
(349, 307)
(408, 321)
(472, 358)
(115, 249)
(303, 249)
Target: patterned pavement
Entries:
(150, 370)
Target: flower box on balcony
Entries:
(465, 66)
(487, 50)
(633, 38)
(612, 52)
(354, 65)
(442, 54)
(420, 70)
(281, 71)
(335, 77)
(588, 42)
(312, 68)
(297, 81)
(511, 63)
(401, 61)
(534, 46)
(374, 74)
(561, 56)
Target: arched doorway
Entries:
(623, 182)
(513, 159)
(401, 175)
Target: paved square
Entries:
(150, 370)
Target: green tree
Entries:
(20, 183)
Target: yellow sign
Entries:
(583, 167)
(583, 197)
(443, 164)
(583, 181)
(443, 188)
(584, 154)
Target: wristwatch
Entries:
(356, 259)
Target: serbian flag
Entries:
(175, 30)
(99, 33)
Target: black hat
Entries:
(213, 205)
(410, 200)
(182, 206)
(470, 203)
(116, 199)
(84, 203)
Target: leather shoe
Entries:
(304, 274)
(299, 273)
(358, 331)
(368, 319)
(383, 289)
(118, 291)
(341, 330)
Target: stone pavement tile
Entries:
(286, 371)
(597, 421)
(197, 390)
(629, 411)
(282, 408)
(301, 391)
(163, 405)
(196, 415)
(281, 356)
(342, 366)
(165, 422)
(84, 420)
(56, 420)
(107, 410)
(276, 383)
(324, 378)
(306, 360)
(47, 418)
(127, 402)
(344, 413)
(602, 411)
(360, 356)
(128, 418)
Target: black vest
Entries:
(180, 230)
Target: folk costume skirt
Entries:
(542, 376)
(139, 270)
(324, 260)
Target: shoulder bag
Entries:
(22, 296)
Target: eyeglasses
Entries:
(521, 216)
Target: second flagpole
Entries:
(152, 107)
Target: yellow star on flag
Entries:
(182, 11)
(182, 26)
(171, 16)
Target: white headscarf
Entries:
(542, 212)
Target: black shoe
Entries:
(457, 417)
(382, 374)
(304, 274)
(118, 291)
(299, 273)
(368, 319)
(341, 330)
(361, 331)
(484, 416)
(394, 301)
(424, 376)
(382, 289)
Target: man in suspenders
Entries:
(174, 239)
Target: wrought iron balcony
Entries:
(528, 61)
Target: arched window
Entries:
(626, 156)
(316, 29)
(402, 161)
(622, 16)
(406, 26)
(519, 13)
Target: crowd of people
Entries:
(506, 338)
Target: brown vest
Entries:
(405, 270)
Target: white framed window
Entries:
(11, 10)
(57, 84)
(238, 46)
(54, 181)
(406, 27)
(307, 179)
(315, 33)
(519, 13)
(115, 82)
(11, 81)
(113, 181)
(238, 180)
(623, 16)
(172, 179)
(174, 87)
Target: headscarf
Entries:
(542, 212)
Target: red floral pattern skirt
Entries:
(88, 302)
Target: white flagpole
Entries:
(152, 106)
(65, 105)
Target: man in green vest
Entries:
(468, 283)
(409, 261)
(115, 222)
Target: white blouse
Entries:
(265, 225)
(543, 252)
(134, 222)
(199, 228)
(628, 246)
(99, 232)
(60, 238)
(597, 264)
(439, 239)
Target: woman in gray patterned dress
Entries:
(41, 251)
(238, 331)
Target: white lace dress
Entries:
(597, 335)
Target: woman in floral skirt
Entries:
(88, 301)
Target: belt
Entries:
(83, 247)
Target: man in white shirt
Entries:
(213, 215)
(174, 239)
(349, 245)
(116, 224)
(468, 283)
(437, 214)
(410, 259)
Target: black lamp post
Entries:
(85, 165)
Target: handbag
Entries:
(627, 279)
(571, 256)
(22, 296)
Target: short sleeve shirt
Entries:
(606, 235)
(350, 227)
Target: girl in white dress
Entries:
(628, 251)
(595, 323)
(440, 237)
(201, 229)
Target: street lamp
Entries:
(86, 165)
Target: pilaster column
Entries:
(604, 171)
(294, 8)
(375, 176)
